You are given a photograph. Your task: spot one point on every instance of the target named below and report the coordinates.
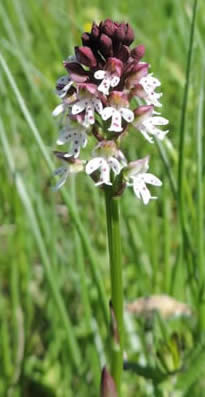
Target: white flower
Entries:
(107, 158)
(149, 84)
(105, 165)
(117, 114)
(136, 176)
(148, 125)
(75, 134)
(65, 171)
(89, 105)
(108, 80)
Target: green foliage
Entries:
(54, 274)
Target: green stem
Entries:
(183, 119)
(114, 244)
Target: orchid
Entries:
(107, 158)
(136, 175)
(147, 123)
(108, 91)
(107, 94)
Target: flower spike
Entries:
(106, 93)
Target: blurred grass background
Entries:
(54, 275)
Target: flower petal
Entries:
(98, 105)
(114, 165)
(114, 81)
(93, 165)
(83, 139)
(141, 191)
(61, 171)
(59, 109)
(89, 114)
(78, 107)
(151, 179)
(107, 112)
(127, 114)
(159, 121)
(100, 74)
(105, 86)
(116, 124)
(104, 174)
(64, 137)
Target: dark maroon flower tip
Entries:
(76, 72)
(123, 53)
(129, 36)
(108, 27)
(120, 32)
(135, 67)
(138, 52)
(107, 388)
(85, 56)
(86, 40)
(95, 31)
(106, 45)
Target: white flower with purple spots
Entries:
(136, 175)
(149, 84)
(117, 111)
(75, 135)
(147, 123)
(89, 105)
(108, 158)
(108, 80)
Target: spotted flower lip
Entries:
(106, 159)
(88, 104)
(136, 175)
(75, 135)
(117, 112)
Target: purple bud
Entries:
(106, 45)
(138, 52)
(95, 31)
(85, 56)
(123, 53)
(108, 27)
(107, 388)
(86, 39)
(77, 73)
(120, 32)
(129, 36)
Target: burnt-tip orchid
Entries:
(108, 90)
